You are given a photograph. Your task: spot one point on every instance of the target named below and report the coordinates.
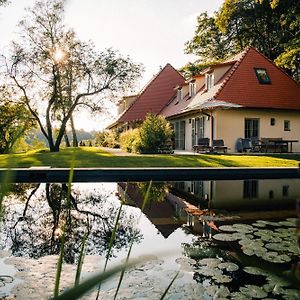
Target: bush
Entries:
(155, 135)
(111, 140)
(129, 139)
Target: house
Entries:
(246, 96)
(153, 98)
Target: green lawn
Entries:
(88, 157)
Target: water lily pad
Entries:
(291, 294)
(239, 296)
(255, 271)
(243, 227)
(225, 237)
(287, 223)
(229, 228)
(222, 278)
(210, 262)
(253, 291)
(276, 258)
(228, 266)
(210, 272)
(277, 281)
(248, 251)
(239, 235)
(260, 225)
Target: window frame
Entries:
(259, 77)
(209, 81)
(286, 128)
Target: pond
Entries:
(228, 239)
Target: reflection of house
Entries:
(166, 215)
(239, 195)
(246, 96)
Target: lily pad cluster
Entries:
(272, 241)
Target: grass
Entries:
(89, 157)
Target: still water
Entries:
(227, 239)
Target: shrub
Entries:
(111, 140)
(155, 135)
(129, 139)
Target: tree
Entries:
(15, 121)
(271, 26)
(58, 74)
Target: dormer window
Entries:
(262, 76)
(209, 81)
(179, 94)
(192, 88)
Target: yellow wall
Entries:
(229, 125)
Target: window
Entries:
(272, 121)
(209, 81)
(287, 125)
(179, 94)
(262, 76)
(251, 128)
(250, 189)
(271, 194)
(192, 89)
(285, 191)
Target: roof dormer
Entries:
(192, 88)
(179, 93)
(209, 81)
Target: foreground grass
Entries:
(89, 157)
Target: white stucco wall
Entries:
(229, 125)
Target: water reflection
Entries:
(33, 221)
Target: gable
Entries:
(244, 88)
(155, 96)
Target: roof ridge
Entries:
(232, 71)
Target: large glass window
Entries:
(179, 130)
(251, 128)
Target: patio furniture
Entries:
(202, 146)
(218, 145)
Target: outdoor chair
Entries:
(218, 145)
(202, 146)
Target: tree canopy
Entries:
(58, 74)
(271, 26)
(15, 121)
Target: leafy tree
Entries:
(271, 26)
(15, 121)
(155, 135)
(209, 43)
(58, 74)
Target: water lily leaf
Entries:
(276, 258)
(222, 278)
(287, 223)
(291, 294)
(243, 228)
(248, 251)
(253, 291)
(229, 228)
(210, 262)
(228, 266)
(255, 271)
(225, 237)
(239, 296)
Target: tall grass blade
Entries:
(80, 260)
(88, 284)
(169, 286)
(59, 265)
(146, 199)
(63, 237)
(112, 238)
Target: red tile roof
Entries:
(241, 86)
(154, 96)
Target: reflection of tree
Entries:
(34, 229)
(157, 192)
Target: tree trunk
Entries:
(67, 140)
(75, 140)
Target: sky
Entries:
(151, 32)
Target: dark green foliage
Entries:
(155, 135)
(15, 121)
(271, 26)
